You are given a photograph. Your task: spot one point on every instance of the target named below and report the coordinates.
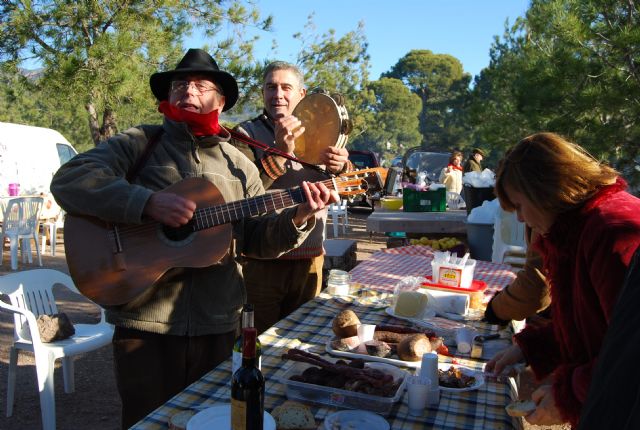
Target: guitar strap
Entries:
(151, 144)
(271, 150)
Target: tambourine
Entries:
(326, 123)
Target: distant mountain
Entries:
(31, 74)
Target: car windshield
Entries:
(431, 163)
(362, 160)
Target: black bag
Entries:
(55, 327)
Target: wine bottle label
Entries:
(238, 414)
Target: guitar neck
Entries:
(230, 212)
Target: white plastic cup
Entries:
(365, 332)
(429, 366)
(464, 339)
(418, 389)
(433, 396)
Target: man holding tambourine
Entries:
(278, 287)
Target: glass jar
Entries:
(338, 283)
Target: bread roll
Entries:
(413, 347)
(294, 416)
(521, 408)
(345, 324)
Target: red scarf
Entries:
(200, 124)
(453, 166)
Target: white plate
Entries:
(355, 420)
(466, 371)
(367, 357)
(219, 417)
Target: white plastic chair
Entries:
(30, 294)
(339, 214)
(509, 244)
(20, 223)
(50, 228)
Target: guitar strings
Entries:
(206, 214)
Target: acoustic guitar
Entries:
(112, 264)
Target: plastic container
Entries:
(339, 283)
(453, 275)
(391, 203)
(475, 291)
(305, 392)
(473, 197)
(480, 240)
(424, 201)
(13, 189)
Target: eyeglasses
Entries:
(201, 87)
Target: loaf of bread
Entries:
(345, 324)
(413, 347)
(294, 416)
(520, 408)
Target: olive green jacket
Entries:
(184, 301)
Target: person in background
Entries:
(185, 323)
(277, 287)
(474, 163)
(527, 295)
(451, 176)
(589, 230)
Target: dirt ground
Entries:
(95, 403)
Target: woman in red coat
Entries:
(590, 228)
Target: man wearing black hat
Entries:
(474, 163)
(184, 324)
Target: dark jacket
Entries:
(472, 166)
(614, 395)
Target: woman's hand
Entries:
(546, 413)
(504, 358)
(318, 197)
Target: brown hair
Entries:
(455, 154)
(554, 174)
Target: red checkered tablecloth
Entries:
(384, 269)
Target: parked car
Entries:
(363, 160)
(29, 156)
(397, 161)
(417, 161)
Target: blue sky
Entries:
(462, 28)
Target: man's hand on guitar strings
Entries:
(318, 197)
(169, 209)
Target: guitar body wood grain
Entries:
(149, 250)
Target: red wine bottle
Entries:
(247, 387)
(247, 321)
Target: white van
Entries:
(29, 156)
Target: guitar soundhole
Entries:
(177, 236)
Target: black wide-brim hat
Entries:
(196, 62)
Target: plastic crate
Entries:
(424, 201)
